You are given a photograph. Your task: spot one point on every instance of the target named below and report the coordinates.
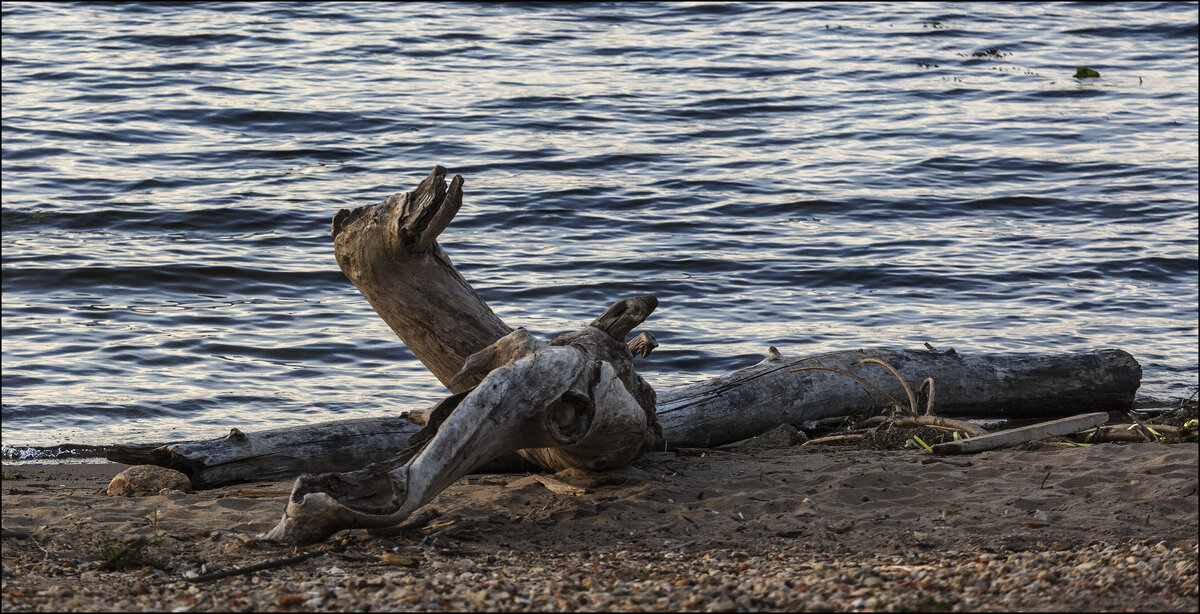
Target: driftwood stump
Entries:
(575, 401)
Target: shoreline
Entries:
(1109, 527)
(95, 453)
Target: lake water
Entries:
(810, 177)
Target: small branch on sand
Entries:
(971, 430)
(833, 438)
(419, 521)
(240, 571)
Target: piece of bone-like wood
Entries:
(1017, 436)
(551, 484)
(558, 487)
(557, 401)
(625, 315)
(643, 344)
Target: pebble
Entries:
(147, 480)
(402, 561)
(641, 577)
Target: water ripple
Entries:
(814, 177)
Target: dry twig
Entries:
(831, 438)
(945, 424)
(912, 401)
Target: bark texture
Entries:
(390, 252)
(745, 403)
(559, 407)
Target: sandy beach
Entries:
(1110, 527)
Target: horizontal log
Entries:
(284, 453)
(745, 403)
(721, 410)
(276, 453)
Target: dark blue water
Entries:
(810, 177)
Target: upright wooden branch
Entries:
(390, 252)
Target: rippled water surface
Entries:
(810, 177)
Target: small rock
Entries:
(147, 480)
(290, 601)
(841, 526)
(782, 436)
(722, 604)
(592, 479)
(399, 560)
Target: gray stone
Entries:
(782, 436)
(147, 480)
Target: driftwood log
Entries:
(575, 401)
(710, 413)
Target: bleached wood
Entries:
(1017, 436)
(577, 402)
(750, 401)
(557, 406)
(709, 413)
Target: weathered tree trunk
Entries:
(577, 402)
(750, 401)
(573, 403)
(564, 406)
(710, 413)
(557, 406)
